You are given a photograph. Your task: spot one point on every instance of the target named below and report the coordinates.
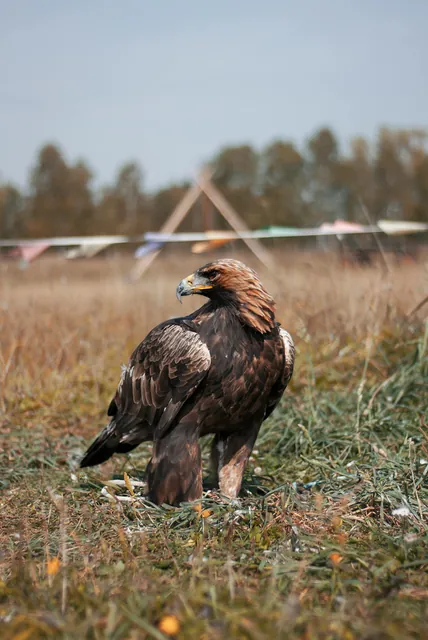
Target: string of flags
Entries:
(88, 247)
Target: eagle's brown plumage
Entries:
(220, 370)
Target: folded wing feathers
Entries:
(163, 371)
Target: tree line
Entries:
(280, 184)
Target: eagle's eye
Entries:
(210, 274)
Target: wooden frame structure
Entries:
(204, 185)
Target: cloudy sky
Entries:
(167, 82)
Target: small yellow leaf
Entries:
(197, 508)
(128, 484)
(169, 625)
(206, 512)
(336, 558)
(53, 566)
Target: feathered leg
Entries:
(229, 457)
(174, 473)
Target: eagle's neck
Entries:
(254, 312)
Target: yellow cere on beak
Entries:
(188, 286)
(197, 287)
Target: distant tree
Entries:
(281, 185)
(12, 211)
(236, 167)
(321, 191)
(81, 200)
(323, 148)
(392, 185)
(236, 174)
(362, 187)
(129, 189)
(282, 178)
(124, 208)
(420, 183)
(107, 218)
(352, 179)
(60, 196)
(281, 164)
(398, 156)
(163, 203)
(49, 190)
(248, 205)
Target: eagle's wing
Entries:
(286, 371)
(162, 374)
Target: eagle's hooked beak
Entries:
(192, 284)
(184, 288)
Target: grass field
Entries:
(329, 539)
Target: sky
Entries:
(169, 82)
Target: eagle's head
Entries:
(231, 283)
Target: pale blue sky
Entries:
(167, 82)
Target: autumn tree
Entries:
(80, 199)
(323, 194)
(236, 167)
(420, 211)
(236, 174)
(12, 211)
(399, 156)
(283, 182)
(164, 202)
(124, 208)
(280, 185)
(60, 196)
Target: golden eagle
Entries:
(220, 370)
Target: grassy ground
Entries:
(329, 538)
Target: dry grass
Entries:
(327, 559)
(57, 316)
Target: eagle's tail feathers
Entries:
(103, 447)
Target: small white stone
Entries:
(258, 471)
(401, 512)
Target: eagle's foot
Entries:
(229, 457)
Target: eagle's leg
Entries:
(229, 457)
(174, 473)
